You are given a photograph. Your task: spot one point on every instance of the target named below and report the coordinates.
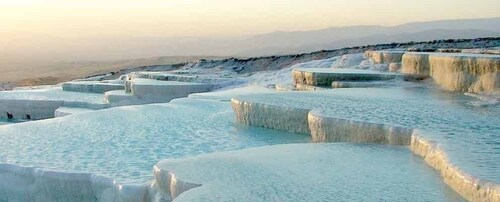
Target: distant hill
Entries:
(427, 35)
(337, 37)
(27, 59)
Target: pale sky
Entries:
(41, 32)
(221, 18)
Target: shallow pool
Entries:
(311, 172)
(124, 143)
(55, 93)
(7, 121)
(470, 135)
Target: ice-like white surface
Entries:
(28, 109)
(170, 76)
(65, 111)
(384, 57)
(482, 51)
(475, 73)
(34, 184)
(362, 84)
(458, 72)
(121, 98)
(394, 67)
(349, 61)
(282, 76)
(359, 72)
(226, 95)
(42, 103)
(216, 78)
(325, 76)
(415, 63)
(308, 172)
(51, 94)
(153, 82)
(468, 134)
(155, 91)
(125, 142)
(93, 86)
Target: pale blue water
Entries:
(55, 93)
(124, 143)
(470, 135)
(311, 172)
(6, 121)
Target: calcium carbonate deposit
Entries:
(302, 172)
(387, 125)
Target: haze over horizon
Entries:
(41, 32)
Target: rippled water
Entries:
(470, 135)
(125, 143)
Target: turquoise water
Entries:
(311, 172)
(470, 135)
(124, 143)
(6, 121)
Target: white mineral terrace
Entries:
(384, 57)
(121, 98)
(42, 103)
(375, 137)
(65, 111)
(93, 86)
(162, 76)
(325, 76)
(457, 140)
(123, 143)
(461, 72)
(300, 172)
(154, 91)
(82, 95)
(128, 154)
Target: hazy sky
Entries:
(221, 17)
(40, 32)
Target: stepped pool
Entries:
(310, 172)
(124, 143)
(53, 93)
(470, 135)
(199, 140)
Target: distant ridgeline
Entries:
(266, 63)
